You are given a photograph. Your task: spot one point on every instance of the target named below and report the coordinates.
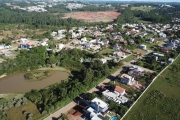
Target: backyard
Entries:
(162, 99)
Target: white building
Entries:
(23, 40)
(126, 79)
(99, 105)
(142, 46)
(60, 46)
(42, 43)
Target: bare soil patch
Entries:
(103, 16)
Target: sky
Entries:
(146, 0)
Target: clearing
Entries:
(141, 8)
(103, 16)
(162, 100)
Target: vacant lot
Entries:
(16, 112)
(145, 9)
(105, 16)
(162, 100)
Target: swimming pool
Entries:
(114, 118)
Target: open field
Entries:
(105, 16)
(139, 20)
(139, 51)
(16, 112)
(145, 9)
(162, 100)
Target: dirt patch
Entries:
(139, 51)
(105, 16)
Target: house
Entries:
(99, 105)
(23, 40)
(53, 34)
(151, 40)
(136, 71)
(25, 46)
(60, 46)
(171, 45)
(117, 47)
(104, 61)
(162, 35)
(164, 49)
(142, 46)
(131, 41)
(84, 39)
(119, 90)
(128, 80)
(92, 114)
(170, 60)
(42, 43)
(120, 55)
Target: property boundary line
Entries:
(147, 88)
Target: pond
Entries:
(16, 83)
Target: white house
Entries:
(162, 35)
(93, 114)
(142, 46)
(126, 79)
(170, 60)
(42, 43)
(60, 46)
(23, 40)
(99, 105)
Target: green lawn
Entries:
(145, 9)
(129, 58)
(106, 52)
(162, 100)
(139, 20)
(56, 68)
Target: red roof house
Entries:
(119, 90)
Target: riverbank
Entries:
(4, 75)
(56, 68)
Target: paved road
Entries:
(73, 104)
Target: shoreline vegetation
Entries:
(36, 75)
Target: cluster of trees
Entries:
(150, 61)
(37, 20)
(26, 60)
(85, 76)
(95, 8)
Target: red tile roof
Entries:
(119, 89)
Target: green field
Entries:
(139, 20)
(129, 58)
(145, 9)
(162, 100)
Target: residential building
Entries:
(91, 113)
(60, 46)
(142, 46)
(99, 105)
(128, 80)
(170, 60)
(119, 90)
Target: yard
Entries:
(129, 58)
(141, 8)
(139, 51)
(162, 99)
(106, 52)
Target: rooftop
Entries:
(119, 89)
(101, 103)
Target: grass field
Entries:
(106, 52)
(145, 9)
(56, 68)
(129, 58)
(162, 100)
(139, 20)
(16, 112)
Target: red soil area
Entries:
(104, 16)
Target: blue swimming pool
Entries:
(114, 118)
